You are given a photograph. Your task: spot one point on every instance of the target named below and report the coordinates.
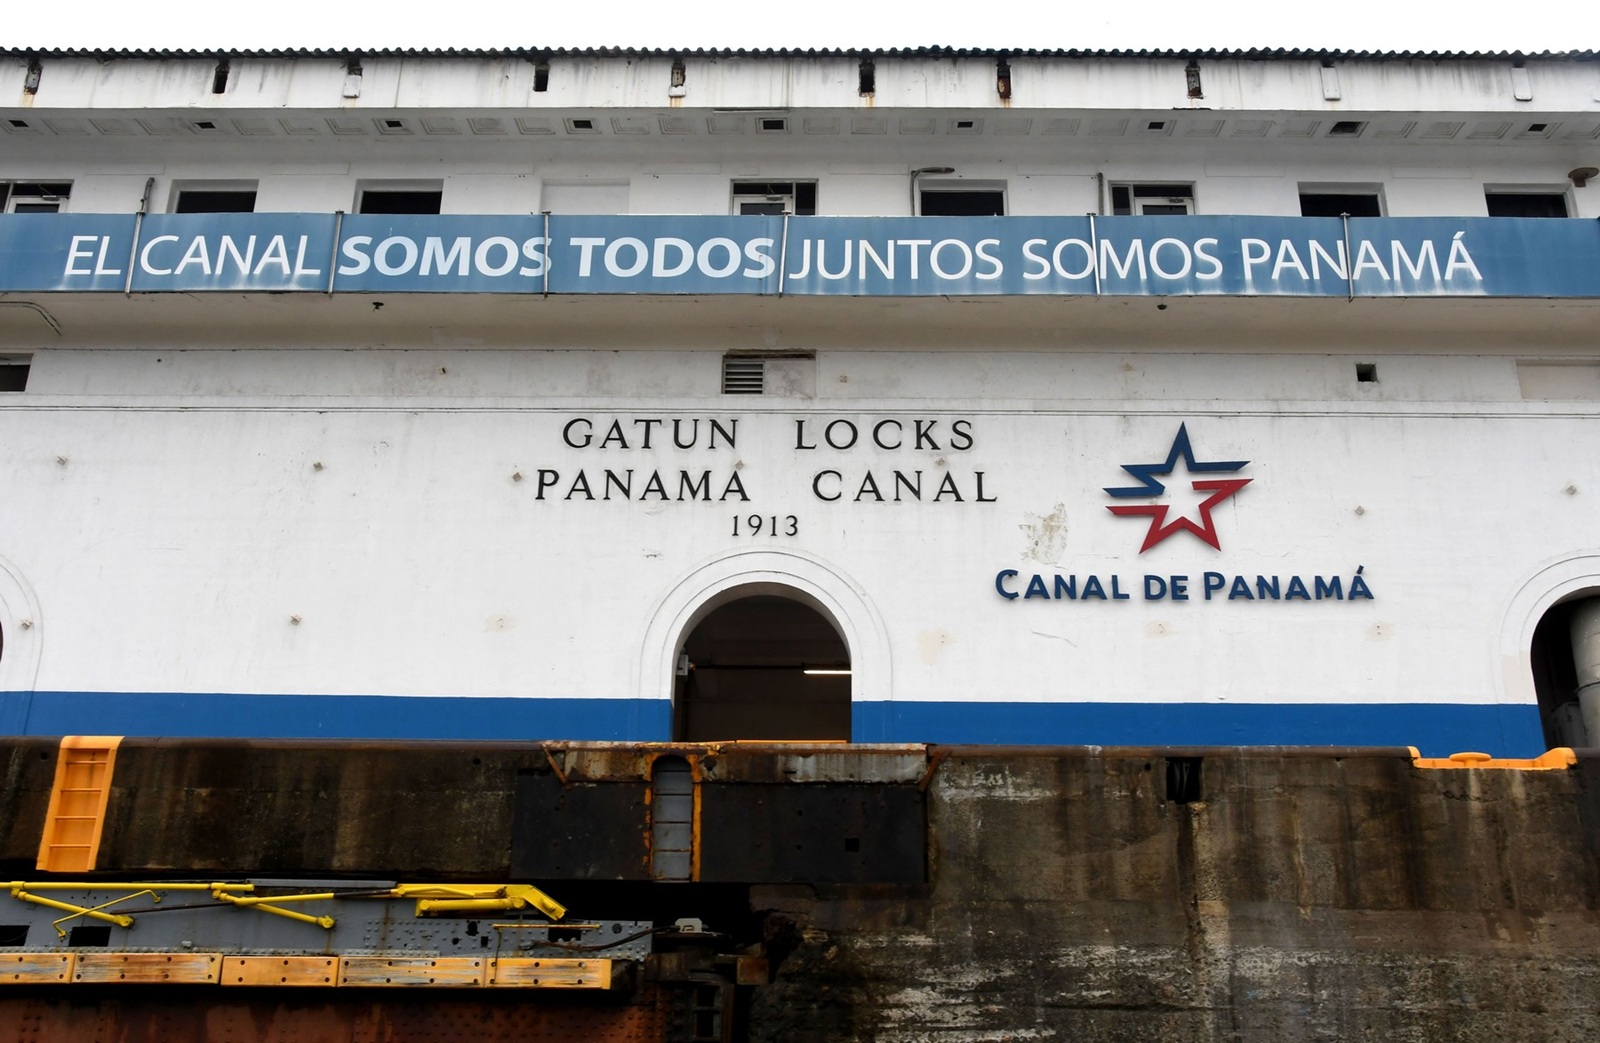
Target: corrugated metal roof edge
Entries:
(1245, 54)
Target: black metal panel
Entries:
(585, 831)
(812, 832)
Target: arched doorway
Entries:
(762, 666)
(1565, 658)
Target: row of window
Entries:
(934, 199)
(1333, 202)
(42, 197)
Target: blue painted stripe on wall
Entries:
(1437, 729)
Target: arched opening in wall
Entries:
(762, 666)
(1565, 657)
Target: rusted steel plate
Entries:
(822, 833)
(148, 968)
(752, 970)
(580, 831)
(36, 968)
(389, 971)
(157, 1014)
(518, 973)
(749, 762)
(280, 970)
(742, 761)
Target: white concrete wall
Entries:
(169, 511)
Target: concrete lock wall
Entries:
(1298, 895)
(1306, 897)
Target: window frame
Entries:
(1354, 189)
(187, 188)
(1142, 194)
(960, 185)
(40, 197)
(746, 192)
(1551, 191)
(395, 186)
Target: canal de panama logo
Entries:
(1151, 487)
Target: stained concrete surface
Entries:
(1304, 895)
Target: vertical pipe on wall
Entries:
(545, 286)
(783, 253)
(1586, 658)
(1094, 262)
(1349, 260)
(333, 254)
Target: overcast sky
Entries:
(1468, 25)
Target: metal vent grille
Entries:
(743, 376)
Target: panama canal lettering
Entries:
(1212, 586)
(608, 444)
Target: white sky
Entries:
(1373, 25)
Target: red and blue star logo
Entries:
(1150, 487)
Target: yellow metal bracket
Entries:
(270, 903)
(23, 891)
(455, 898)
(1551, 760)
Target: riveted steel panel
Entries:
(388, 972)
(320, 971)
(148, 968)
(34, 968)
(267, 1015)
(550, 974)
(824, 833)
(580, 831)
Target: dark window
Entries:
(1334, 204)
(775, 197)
(13, 935)
(13, 374)
(1152, 200)
(1527, 204)
(401, 201)
(33, 197)
(983, 202)
(216, 201)
(1346, 129)
(541, 77)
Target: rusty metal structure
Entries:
(243, 891)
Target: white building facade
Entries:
(1127, 399)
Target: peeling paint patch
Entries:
(1046, 536)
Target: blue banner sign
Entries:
(806, 256)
